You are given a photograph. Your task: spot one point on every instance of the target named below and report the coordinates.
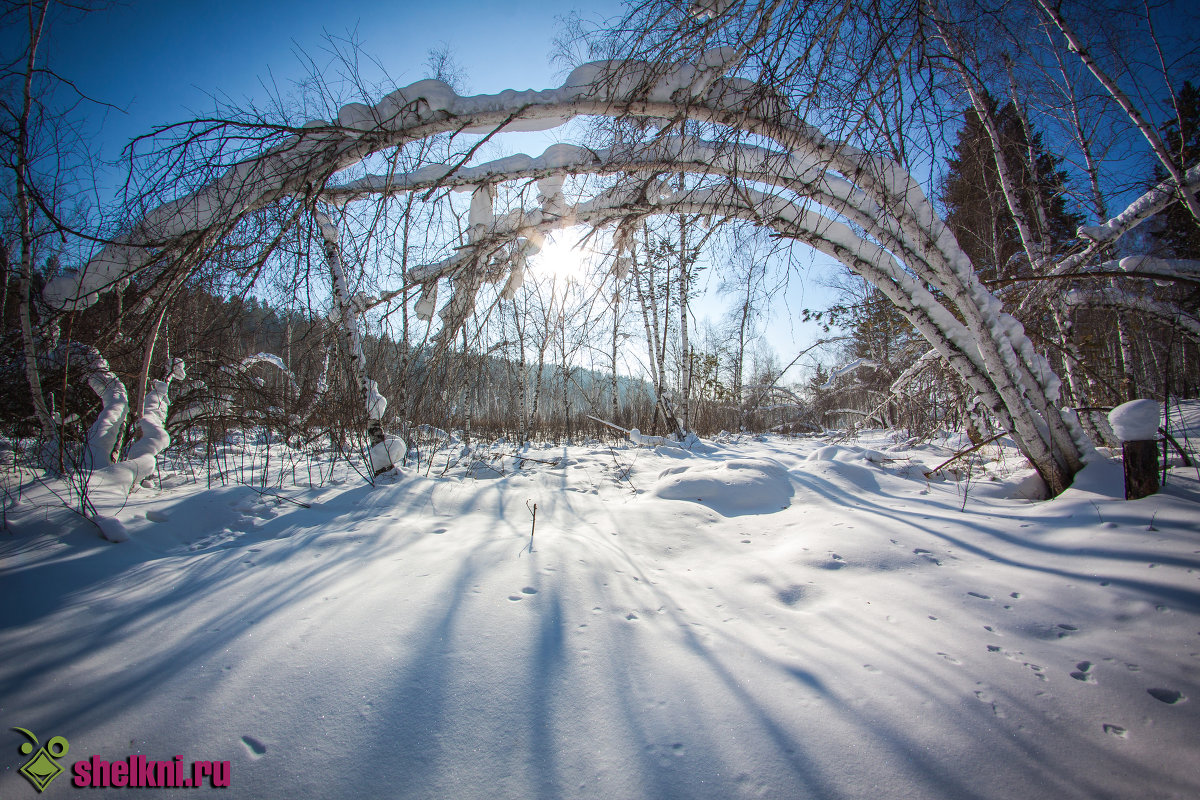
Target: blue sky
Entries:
(163, 62)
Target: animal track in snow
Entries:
(1037, 670)
(528, 590)
(987, 699)
(1084, 672)
(255, 746)
(1168, 696)
(927, 555)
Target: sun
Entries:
(563, 257)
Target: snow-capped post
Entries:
(383, 447)
(1136, 424)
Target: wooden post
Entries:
(1141, 468)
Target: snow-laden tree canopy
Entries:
(743, 152)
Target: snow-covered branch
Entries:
(846, 369)
(1166, 312)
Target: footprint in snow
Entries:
(928, 556)
(1084, 672)
(980, 596)
(987, 699)
(1115, 730)
(1168, 696)
(791, 595)
(255, 746)
(529, 590)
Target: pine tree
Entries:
(1178, 232)
(975, 206)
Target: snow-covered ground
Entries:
(767, 617)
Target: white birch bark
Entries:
(381, 455)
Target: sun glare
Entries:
(562, 257)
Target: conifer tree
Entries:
(974, 202)
(1179, 233)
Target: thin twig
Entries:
(967, 452)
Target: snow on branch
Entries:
(319, 149)
(846, 369)
(1127, 301)
(275, 361)
(1134, 214)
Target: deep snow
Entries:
(757, 618)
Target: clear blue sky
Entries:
(161, 62)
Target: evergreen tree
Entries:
(1178, 232)
(974, 202)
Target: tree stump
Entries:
(1136, 424)
(1141, 468)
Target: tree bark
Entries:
(24, 213)
(348, 321)
(1141, 468)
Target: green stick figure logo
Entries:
(43, 767)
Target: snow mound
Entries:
(1135, 421)
(112, 528)
(388, 452)
(827, 453)
(731, 488)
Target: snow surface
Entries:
(738, 620)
